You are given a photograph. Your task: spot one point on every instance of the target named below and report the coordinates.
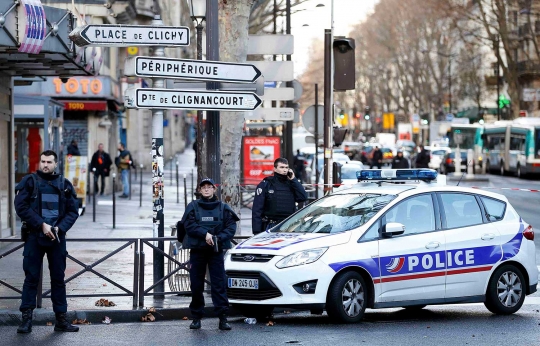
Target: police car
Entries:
(398, 238)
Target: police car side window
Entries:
(372, 233)
(461, 210)
(416, 214)
(495, 209)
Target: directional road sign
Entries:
(283, 114)
(191, 69)
(130, 35)
(191, 99)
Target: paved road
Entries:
(448, 325)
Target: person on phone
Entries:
(210, 225)
(48, 205)
(276, 197)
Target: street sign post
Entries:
(191, 69)
(130, 35)
(191, 99)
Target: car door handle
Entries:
(433, 245)
(488, 236)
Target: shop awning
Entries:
(56, 54)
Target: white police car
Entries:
(382, 244)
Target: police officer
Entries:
(47, 203)
(210, 225)
(275, 197)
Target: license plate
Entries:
(250, 284)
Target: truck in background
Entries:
(386, 139)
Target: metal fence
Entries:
(177, 265)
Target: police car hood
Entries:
(286, 243)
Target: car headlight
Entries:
(301, 257)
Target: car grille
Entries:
(237, 257)
(267, 289)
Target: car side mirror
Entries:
(393, 228)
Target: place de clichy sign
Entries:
(191, 69)
(130, 35)
(191, 99)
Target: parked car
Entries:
(348, 175)
(336, 157)
(437, 155)
(350, 148)
(448, 163)
(388, 155)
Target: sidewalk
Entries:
(132, 221)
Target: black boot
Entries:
(224, 324)
(196, 324)
(62, 325)
(26, 324)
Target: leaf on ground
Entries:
(152, 309)
(270, 324)
(105, 302)
(104, 284)
(148, 318)
(80, 321)
(106, 320)
(286, 312)
(49, 323)
(185, 318)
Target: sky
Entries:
(346, 14)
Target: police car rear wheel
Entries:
(505, 294)
(346, 301)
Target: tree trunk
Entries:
(233, 38)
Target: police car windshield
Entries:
(336, 213)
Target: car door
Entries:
(412, 264)
(472, 244)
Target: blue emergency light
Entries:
(397, 174)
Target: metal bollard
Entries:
(171, 170)
(192, 190)
(141, 276)
(185, 192)
(177, 185)
(114, 201)
(130, 162)
(94, 197)
(140, 187)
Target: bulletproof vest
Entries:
(209, 215)
(48, 200)
(279, 202)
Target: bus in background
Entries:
(513, 146)
(468, 136)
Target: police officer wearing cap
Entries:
(276, 197)
(48, 211)
(210, 225)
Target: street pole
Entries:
(200, 127)
(450, 84)
(157, 173)
(497, 76)
(327, 110)
(316, 158)
(212, 117)
(288, 124)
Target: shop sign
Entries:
(84, 105)
(259, 156)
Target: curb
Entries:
(42, 316)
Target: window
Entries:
(493, 143)
(495, 209)
(416, 214)
(335, 213)
(517, 143)
(461, 210)
(372, 233)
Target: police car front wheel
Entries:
(505, 294)
(347, 297)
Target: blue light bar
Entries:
(397, 174)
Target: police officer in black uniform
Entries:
(276, 197)
(48, 211)
(210, 225)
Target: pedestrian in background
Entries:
(101, 161)
(400, 162)
(210, 225)
(423, 158)
(299, 167)
(73, 149)
(123, 162)
(276, 197)
(47, 204)
(376, 159)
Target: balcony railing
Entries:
(531, 67)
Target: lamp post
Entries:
(197, 9)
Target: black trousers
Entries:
(199, 260)
(96, 178)
(34, 250)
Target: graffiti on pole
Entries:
(157, 180)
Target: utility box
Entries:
(344, 64)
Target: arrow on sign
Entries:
(191, 99)
(191, 69)
(130, 35)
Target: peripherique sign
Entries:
(191, 69)
(191, 99)
(130, 35)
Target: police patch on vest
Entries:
(270, 191)
(207, 218)
(259, 191)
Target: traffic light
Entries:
(341, 114)
(366, 113)
(344, 64)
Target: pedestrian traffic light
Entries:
(344, 64)
(366, 113)
(341, 114)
